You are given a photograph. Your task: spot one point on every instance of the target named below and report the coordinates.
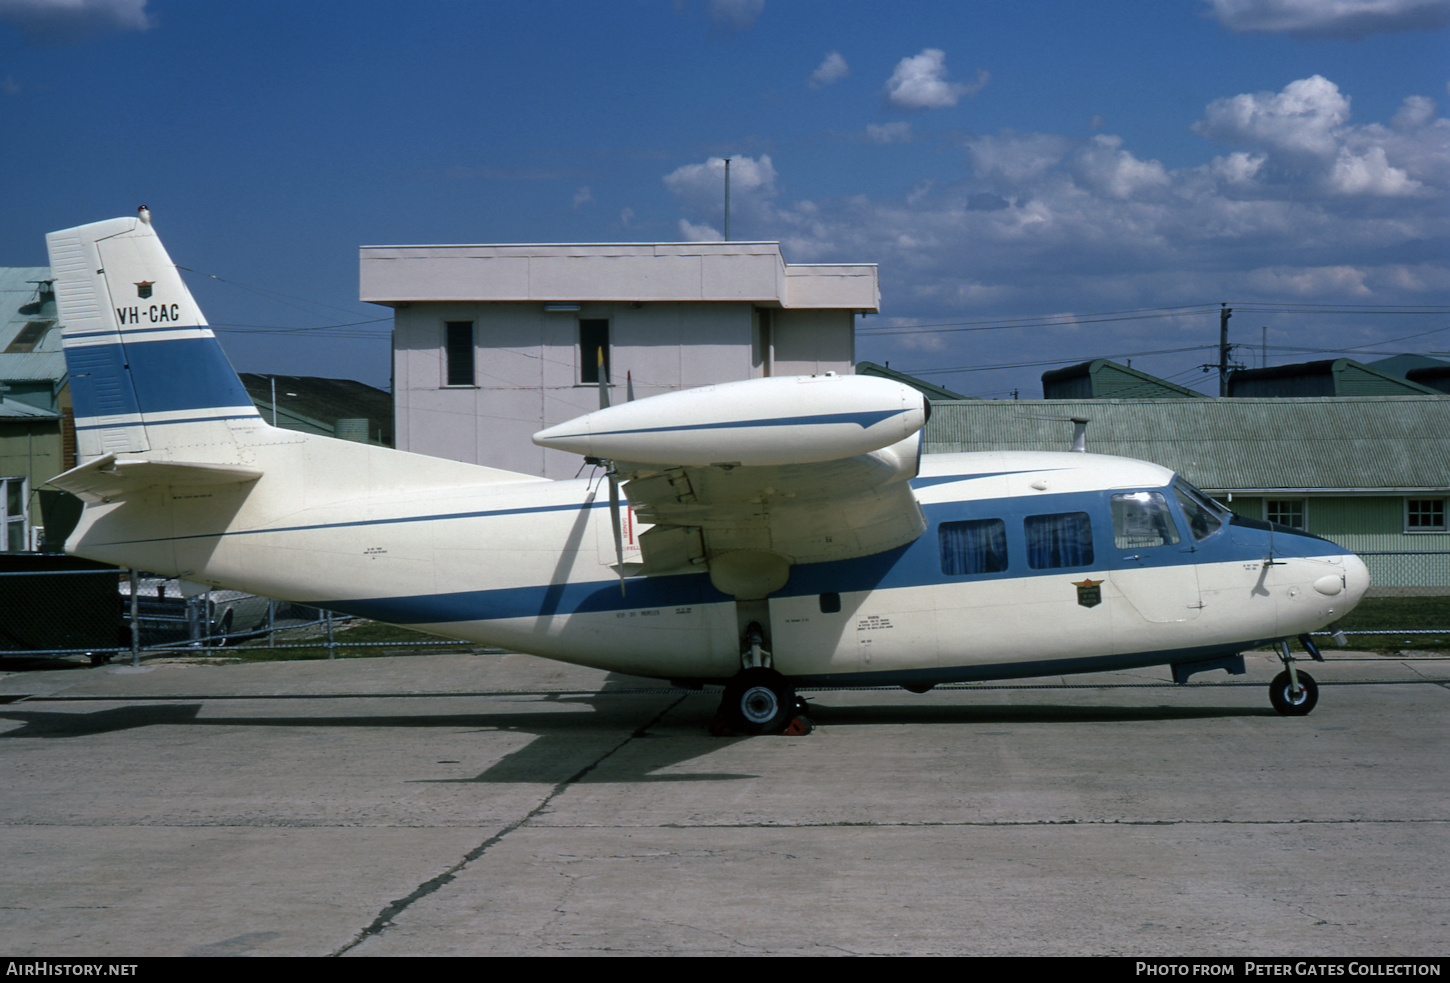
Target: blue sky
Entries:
(1014, 168)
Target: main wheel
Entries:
(1286, 702)
(759, 701)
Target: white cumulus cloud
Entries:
(898, 132)
(69, 20)
(735, 15)
(1300, 120)
(1104, 165)
(1309, 205)
(1303, 135)
(1331, 18)
(920, 82)
(832, 69)
(700, 190)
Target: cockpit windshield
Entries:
(1205, 516)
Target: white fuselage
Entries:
(528, 565)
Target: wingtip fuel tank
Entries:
(770, 421)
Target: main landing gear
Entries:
(1294, 693)
(759, 700)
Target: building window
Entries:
(1061, 540)
(12, 515)
(593, 348)
(763, 344)
(1286, 512)
(458, 351)
(1425, 515)
(975, 546)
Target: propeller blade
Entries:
(602, 374)
(618, 532)
(629, 387)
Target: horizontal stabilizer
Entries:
(105, 478)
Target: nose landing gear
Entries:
(1293, 693)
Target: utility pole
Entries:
(727, 199)
(1224, 313)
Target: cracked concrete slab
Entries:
(503, 805)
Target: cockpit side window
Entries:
(1142, 520)
(1204, 515)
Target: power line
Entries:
(1044, 320)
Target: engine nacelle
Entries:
(783, 420)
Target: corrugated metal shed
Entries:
(1105, 379)
(30, 348)
(14, 409)
(1380, 445)
(1435, 377)
(929, 389)
(315, 405)
(1329, 377)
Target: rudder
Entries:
(146, 372)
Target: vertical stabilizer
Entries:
(146, 373)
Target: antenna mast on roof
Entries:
(1224, 313)
(727, 199)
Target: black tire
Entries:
(1284, 700)
(224, 630)
(758, 701)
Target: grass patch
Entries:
(1389, 617)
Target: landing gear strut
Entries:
(759, 700)
(1292, 693)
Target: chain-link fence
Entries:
(58, 606)
(1407, 573)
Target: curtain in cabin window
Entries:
(974, 546)
(1061, 540)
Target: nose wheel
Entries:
(1289, 702)
(1292, 693)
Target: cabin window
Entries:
(1061, 540)
(593, 348)
(974, 546)
(1142, 520)
(830, 603)
(1285, 511)
(458, 352)
(1425, 515)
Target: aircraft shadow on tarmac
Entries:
(618, 736)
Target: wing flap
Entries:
(806, 513)
(107, 479)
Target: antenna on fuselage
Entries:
(1079, 430)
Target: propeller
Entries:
(602, 374)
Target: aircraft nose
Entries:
(1356, 579)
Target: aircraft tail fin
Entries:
(146, 372)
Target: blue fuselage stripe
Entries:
(917, 564)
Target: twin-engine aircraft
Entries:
(794, 534)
